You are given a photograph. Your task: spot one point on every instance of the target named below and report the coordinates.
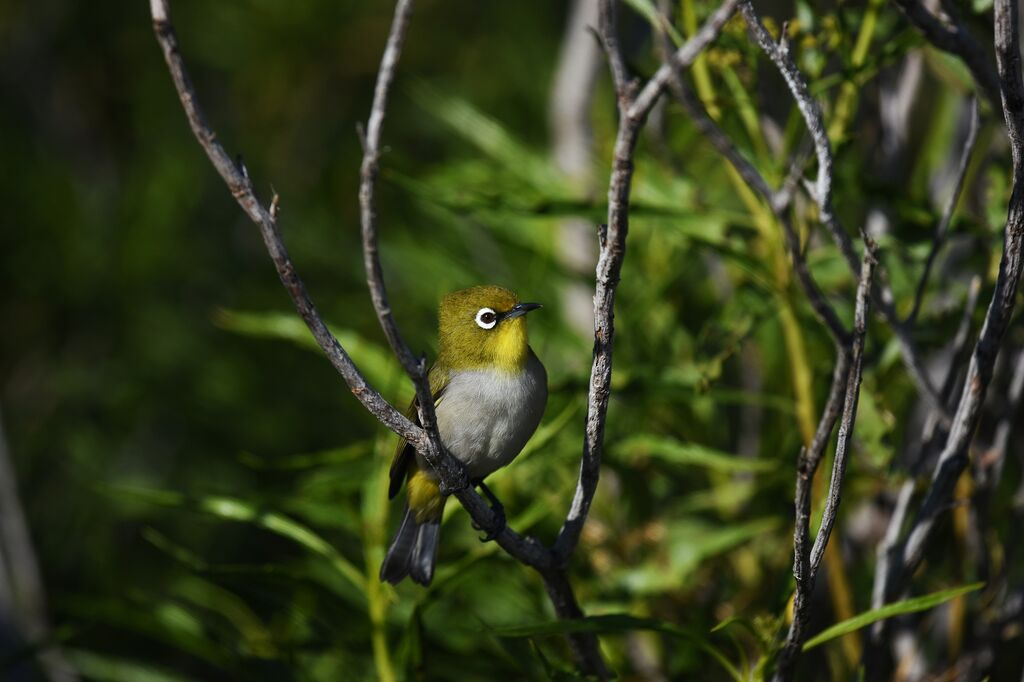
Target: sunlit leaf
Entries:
(913, 605)
(376, 363)
(234, 509)
(691, 454)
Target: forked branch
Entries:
(549, 562)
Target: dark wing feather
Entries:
(405, 454)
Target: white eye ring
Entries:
(486, 318)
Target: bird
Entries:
(490, 391)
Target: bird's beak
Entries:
(520, 309)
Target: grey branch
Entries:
(682, 58)
(954, 456)
(846, 381)
(778, 201)
(950, 35)
(888, 547)
(942, 228)
(633, 111)
(527, 550)
(415, 368)
(21, 581)
(821, 193)
(550, 563)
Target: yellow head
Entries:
(483, 327)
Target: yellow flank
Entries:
(424, 497)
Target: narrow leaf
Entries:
(922, 603)
(619, 623)
(677, 452)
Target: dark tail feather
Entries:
(424, 552)
(413, 552)
(396, 561)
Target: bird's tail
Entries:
(413, 551)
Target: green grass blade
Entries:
(241, 511)
(614, 623)
(377, 364)
(922, 603)
(694, 454)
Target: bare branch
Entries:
(612, 251)
(241, 188)
(721, 142)
(849, 407)
(454, 477)
(807, 560)
(821, 193)
(887, 552)
(942, 227)
(953, 37)
(608, 33)
(450, 471)
(682, 59)
(777, 201)
(954, 457)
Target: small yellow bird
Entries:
(489, 391)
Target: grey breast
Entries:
(485, 416)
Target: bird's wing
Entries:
(405, 455)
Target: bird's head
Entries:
(484, 327)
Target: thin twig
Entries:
(934, 429)
(632, 113)
(449, 470)
(821, 193)
(988, 467)
(682, 58)
(844, 392)
(954, 456)
(888, 547)
(942, 228)
(845, 434)
(415, 367)
(779, 206)
(953, 37)
(807, 560)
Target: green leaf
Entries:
(160, 621)
(376, 364)
(113, 669)
(676, 452)
(234, 509)
(618, 622)
(491, 137)
(646, 9)
(689, 542)
(922, 603)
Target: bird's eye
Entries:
(486, 318)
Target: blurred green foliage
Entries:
(206, 497)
